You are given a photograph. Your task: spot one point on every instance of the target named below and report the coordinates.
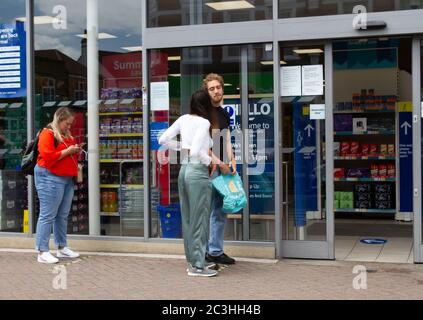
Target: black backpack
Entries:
(30, 155)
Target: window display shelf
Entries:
(351, 133)
(367, 210)
(121, 135)
(128, 186)
(364, 158)
(120, 113)
(364, 179)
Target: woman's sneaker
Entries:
(207, 265)
(47, 257)
(67, 253)
(197, 272)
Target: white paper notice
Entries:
(291, 81)
(159, 93)
(317, 111)
(312, 80)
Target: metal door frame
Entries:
(417, 148)
(311, 249)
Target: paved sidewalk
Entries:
(144, 277)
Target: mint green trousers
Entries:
(195, 193)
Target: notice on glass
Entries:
(312, 80)
(159, 93)
(317, 111)
(291, 81)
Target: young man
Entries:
(213, 83)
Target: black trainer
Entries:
(222, 259)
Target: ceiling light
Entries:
(307, 51)
(228, 85)
(230, 5)
(173, 58)
(40, 19)
(174, 74)
(101, 35)
(136, 48)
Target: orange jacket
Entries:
(49, 155)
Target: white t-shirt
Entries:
(195, 136)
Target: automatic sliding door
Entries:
(305, 102)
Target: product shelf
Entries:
(367, 210)
(116, 186)
(121, 135)
(362, 111)
(129, 113)
(364, 158)
(351, 133)
(364, 179)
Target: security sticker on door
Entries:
(317, 111)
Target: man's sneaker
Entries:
(47, 257)
(67, 253)
(207, 265)
(222, 259)
(197, 272)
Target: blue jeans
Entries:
(217, 223)
(55, 194)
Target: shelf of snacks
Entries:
(119, 113)
(121, 135)
(349, 158)
(366, 198)
(351, 133)
(364, 179)
(367, 210)
(367, 101)
(116, 186)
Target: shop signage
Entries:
(159, 95)
(291, 81)
(12, 60)
(156, 130)
(261, 167)
(317, 111)
(406, 156)
(312, 80)
(305, 164)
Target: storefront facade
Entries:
(277, 58)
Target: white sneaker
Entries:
(67, 253)
(47, 257)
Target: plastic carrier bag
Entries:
(230, 187)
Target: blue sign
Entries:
(373, 241)
(305, 165)
(261, 151)
(12, 60)
(406, 161)
(156, 130)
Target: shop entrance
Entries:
(372, 149)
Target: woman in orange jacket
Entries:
(56, 167)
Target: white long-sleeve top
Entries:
(194, 131)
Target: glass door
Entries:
(307, 187)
